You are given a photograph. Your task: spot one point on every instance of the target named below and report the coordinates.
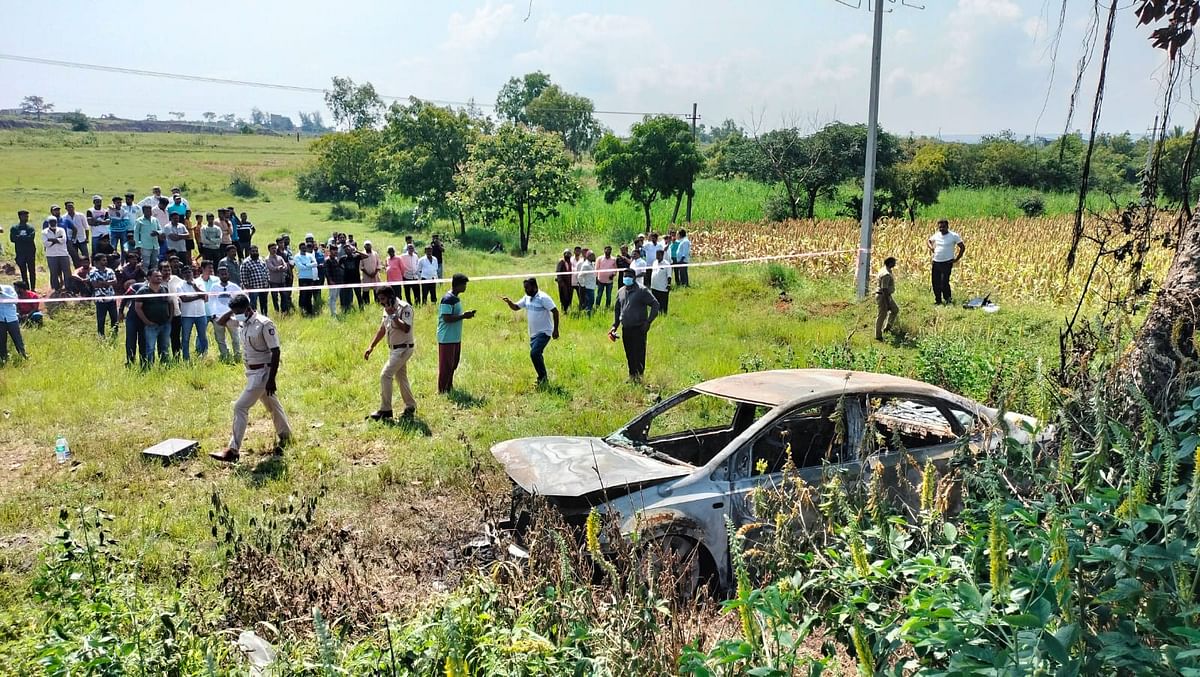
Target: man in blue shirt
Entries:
(24, 239)
(449, 332)
(306, 270)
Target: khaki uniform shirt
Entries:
(395, 335)
(258, 338)
(887, 283)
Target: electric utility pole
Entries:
(694, 117)
(868, 201)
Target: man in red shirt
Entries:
(30, 311)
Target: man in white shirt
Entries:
(542, 315)
(660, 280)
(409, 263)
(427, 270)
(58, 257)
(946, 247)
(220, 292)
(77, 234)
(152, 199)
(176, 234)
(683, 254)
(650, 249)
(98, 220)
(587, 282)
(397, 327)
(641, 268)
(193, 313)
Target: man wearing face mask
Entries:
(635, 308)
(260, 352)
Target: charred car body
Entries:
(678, 471)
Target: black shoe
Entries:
(408, 412)
(381, 415)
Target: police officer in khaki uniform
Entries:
(397, 326)
(260, 353)
(888, 310)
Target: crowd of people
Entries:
(168, 274)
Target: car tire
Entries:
(682, 554)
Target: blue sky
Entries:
(957, 67)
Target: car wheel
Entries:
(672, 560)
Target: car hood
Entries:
(577, 466)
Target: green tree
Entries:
(78, 121)
(569, 115)
(517, 172)
(346, 167)
(918, 182)
(1004, 161)
(517, 93)
(1170, 170)
(356, 106)
(809, 167)
(35, 106)
(659, 160)
(425, 147)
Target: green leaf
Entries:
(950, 532)
(1023, 621)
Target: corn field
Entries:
(1010, 259)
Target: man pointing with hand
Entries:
(397, 326)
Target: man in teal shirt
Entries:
(449, 332)
(145, 237)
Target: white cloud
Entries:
(1003, 10)
(903, 37)
(478, 30)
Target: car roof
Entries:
(780, 386)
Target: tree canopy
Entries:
(356, 106)
(518, 93)
(517, 172)
(424, 149)
(659, 160)
(569, 115)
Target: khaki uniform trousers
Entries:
(396, 370)
(256, 391)
(888, 311)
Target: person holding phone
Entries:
(449, 332)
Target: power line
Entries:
(279, 86)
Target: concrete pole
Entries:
(868, 201)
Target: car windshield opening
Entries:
(693, 428)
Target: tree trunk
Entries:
(1161, 360)
(462, 223)
(523, 230)
(811, 208)
(688, 214)
(675, 214)
(646, 208)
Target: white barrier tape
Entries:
(440, 280)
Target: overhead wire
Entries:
(280, 86)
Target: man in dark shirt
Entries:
(635, 308)
(155, 314)
(349, 258)
(439, 250)
(24, 239)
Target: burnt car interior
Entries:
(695, 428)
(812, 436)
(915, 423)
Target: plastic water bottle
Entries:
(62, 451)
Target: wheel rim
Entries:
(678, 552)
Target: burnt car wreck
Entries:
(675, 473)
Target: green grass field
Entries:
(377, 477)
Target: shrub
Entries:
(242, 184)
(78, 121)
(777, 208)
(950, 363)
(312, 184)
(1032, 205)
(393, 220)
(343, 212)
(781, 276)
(482, 238)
